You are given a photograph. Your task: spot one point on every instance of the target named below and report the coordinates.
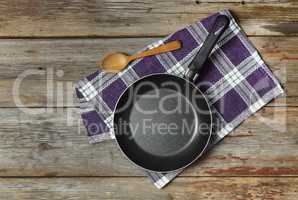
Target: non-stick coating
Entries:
(162, 123)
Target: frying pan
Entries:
(163, 122)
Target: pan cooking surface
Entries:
(161, 127)
(157, 123)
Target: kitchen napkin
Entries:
(235, 80)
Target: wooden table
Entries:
(44, 153)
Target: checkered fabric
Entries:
(235, 80)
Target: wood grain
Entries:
(79, 57)
(44, 152)
(140, 188)
(72, 59)
(109, 18)
(54, 144)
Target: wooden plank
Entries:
(53, 143)
(79, 57)
(137, 18)
(34, 93)
(76, 58)
(246, 1)
(140, 188)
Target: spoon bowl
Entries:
(115, 62)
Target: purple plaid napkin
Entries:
(235, 80)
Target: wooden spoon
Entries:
(115, 62)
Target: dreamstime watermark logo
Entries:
(59, 102)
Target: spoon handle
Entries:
(171, 46)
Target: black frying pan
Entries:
(163, 122)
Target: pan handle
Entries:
(201, 57)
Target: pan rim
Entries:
(188, 164)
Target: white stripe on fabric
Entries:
(177, 69)
(99, 138)
(86, 109)
(256, 106)
(234, 77)
(167, 60)
(155, 44)
(233, 25)
(102, 107)
(88, 91)
(109, 121)
(258, 58)
(225, 131)
(221, 87)
(112, 135)
(197, 32)
(160, 183)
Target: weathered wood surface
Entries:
(259, 160)
(139, 188)
(55, 145)
(138, 18)
(77, 58)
